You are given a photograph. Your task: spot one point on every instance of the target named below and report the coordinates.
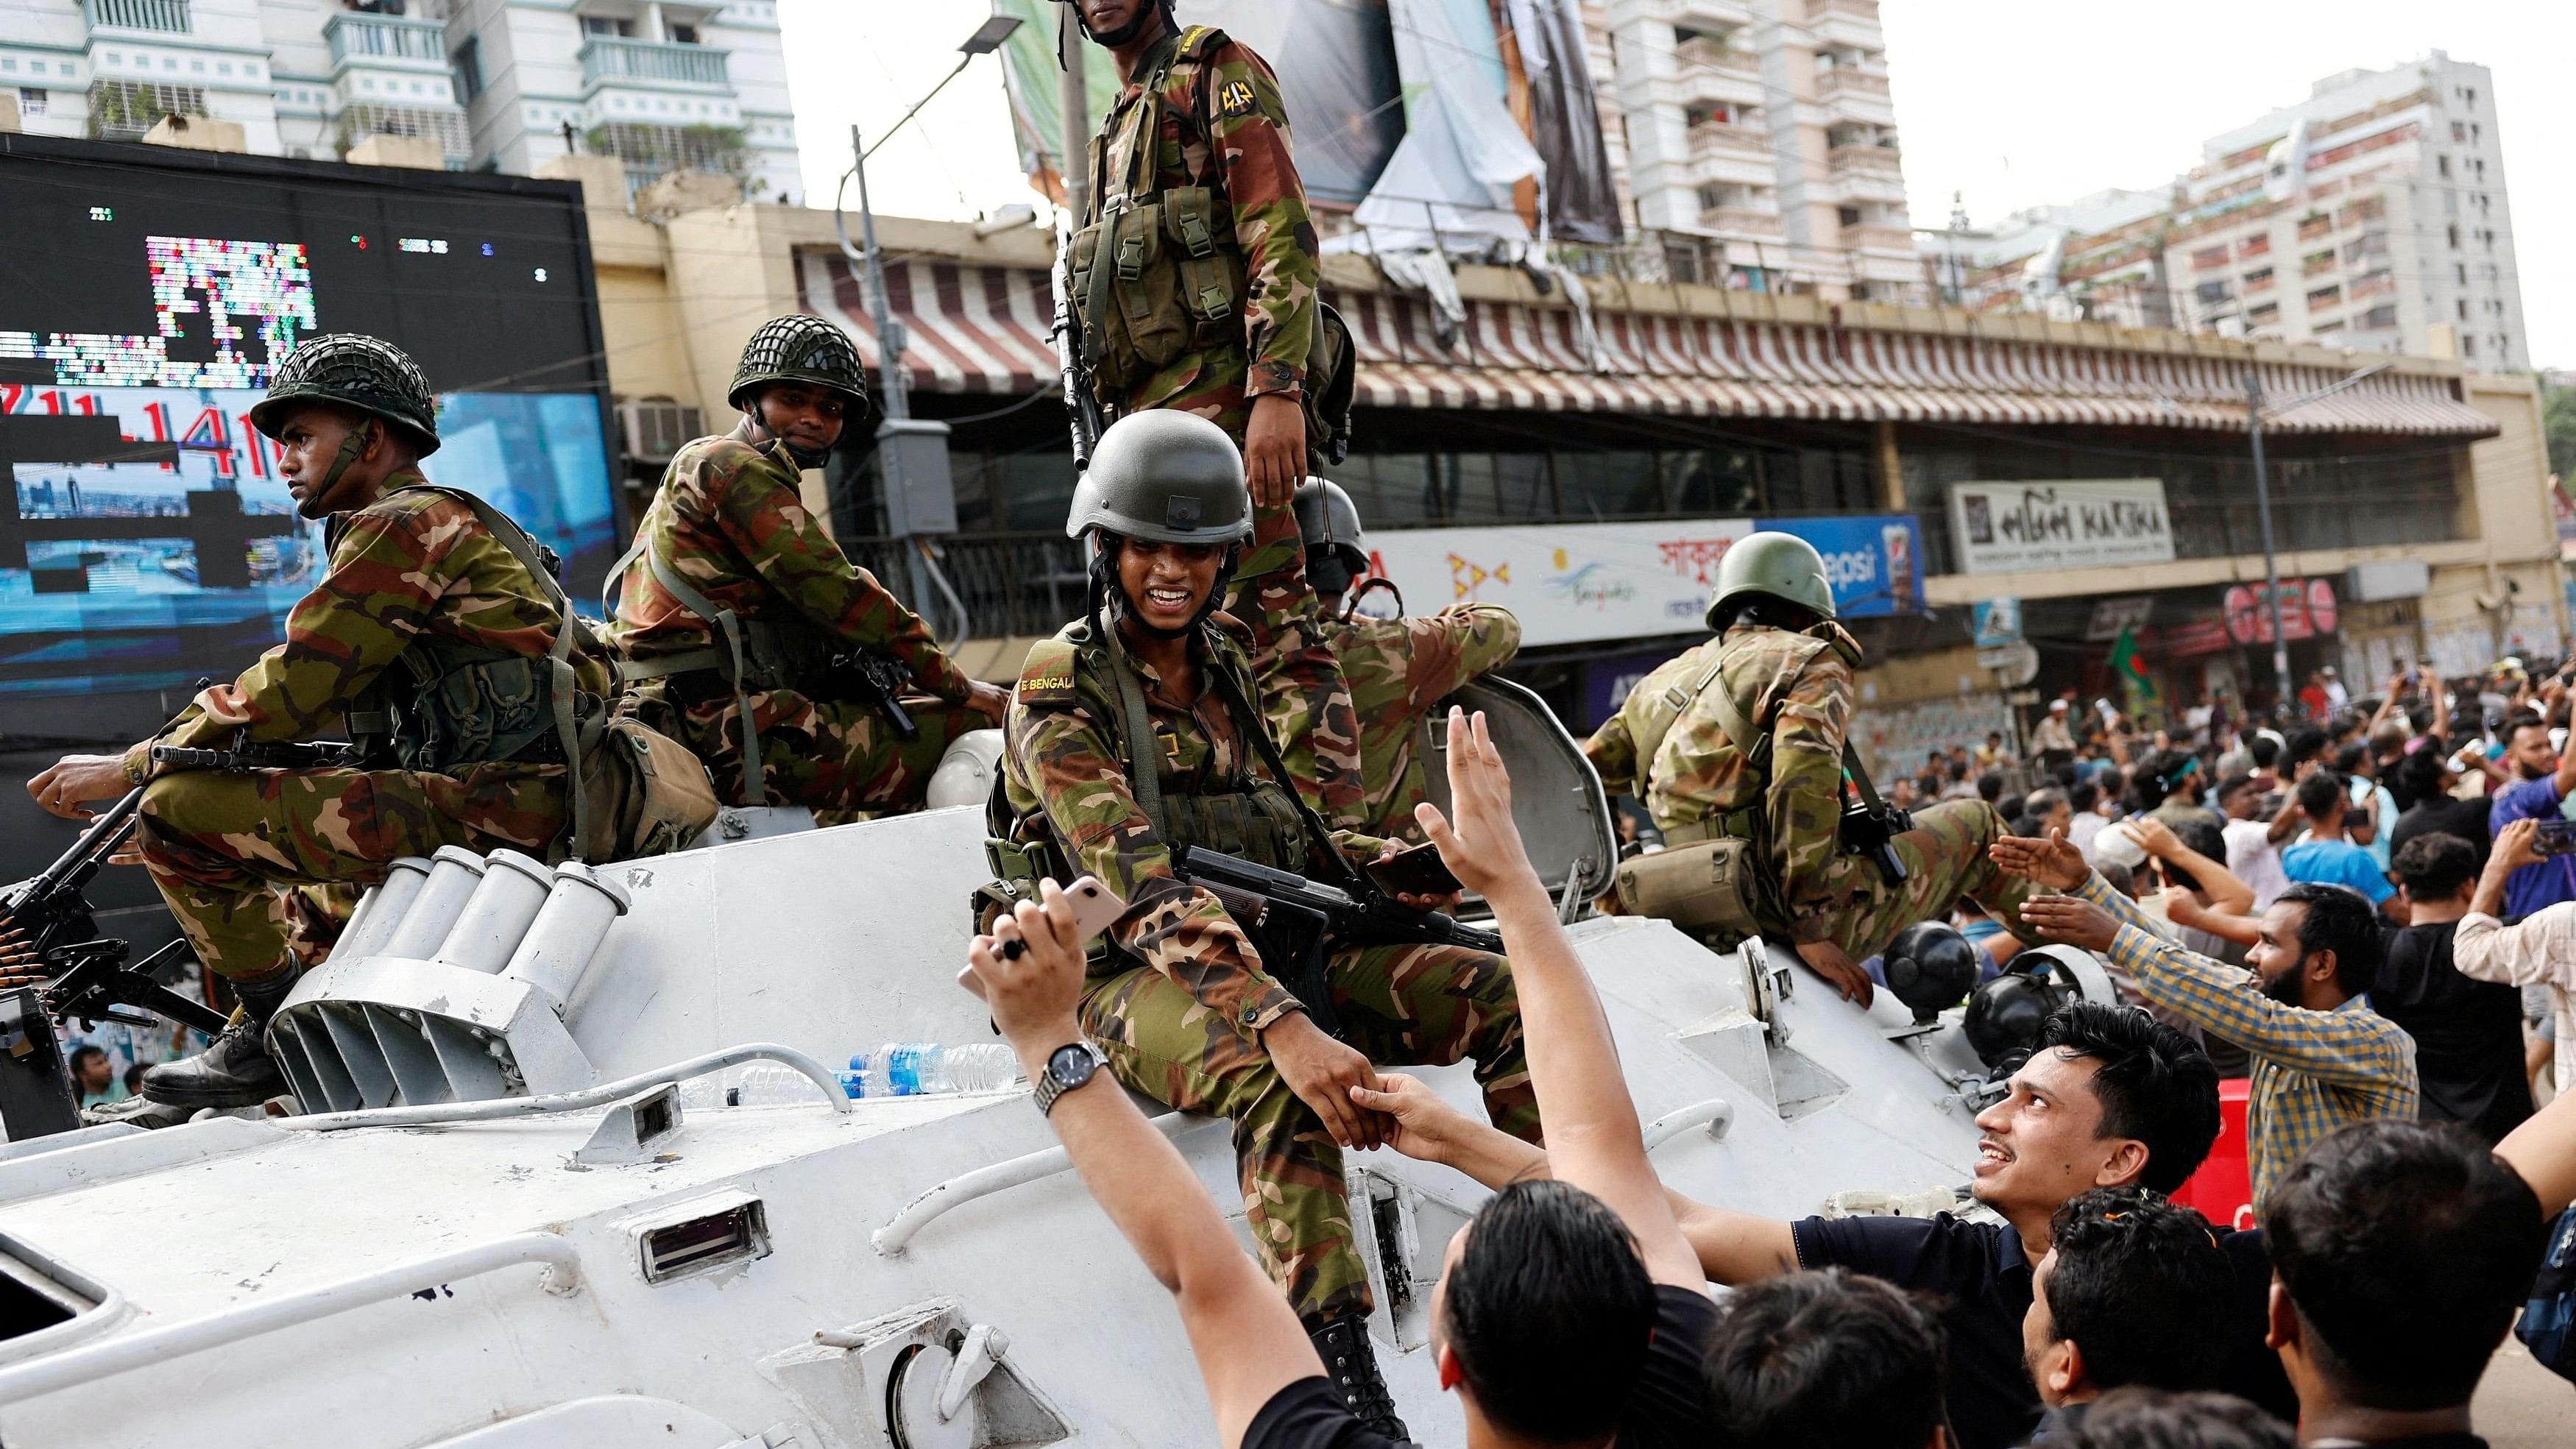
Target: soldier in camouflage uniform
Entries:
(734, 602)
(1782, 661)
(1136, 730)
(1398, 669)
(430, 636)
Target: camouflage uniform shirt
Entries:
(1224, 126)
(1061, 763)
(1797, 686)
(414, 564)
(730, 521)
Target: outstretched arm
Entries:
(2543, 1150)
(1247, 1339)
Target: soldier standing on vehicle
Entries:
(743, 625)
(1134, 731)
(1398, 669)
(1744, 739)
(433, 635)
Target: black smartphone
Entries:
(2555, 837)
(1416, 870)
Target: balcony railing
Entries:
(385, 37)
(1742, 221)
(1700, 50)
(169, 16)
(1858, 9)
(1866, 159)
(1716, 138)
(612, 58)
(1844, 80)
(1876, 237)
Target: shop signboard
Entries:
(2000, 528)
(2308, 611)
(1872, 560)
(1568, 583)
(1998, 622)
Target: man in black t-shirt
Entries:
(2468, 1034)
(2112, 1098)
(2427, 776)
(1568, 1311)
(2126, 1295)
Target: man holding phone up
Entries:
(2543, 779)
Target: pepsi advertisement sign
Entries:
(1874, 561)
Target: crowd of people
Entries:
(1576, 1307)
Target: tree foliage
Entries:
(2558, 424)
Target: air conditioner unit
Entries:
(656, 427)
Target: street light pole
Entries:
(2271, 563)
(890, 333)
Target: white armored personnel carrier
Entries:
(572, 1168)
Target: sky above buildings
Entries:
(2009, 103)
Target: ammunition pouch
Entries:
(1716, 889)
(1154, 279)
(646, 793)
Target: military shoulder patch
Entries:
(1236, 100)
(1047, 677)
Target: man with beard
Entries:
(2322, 1057)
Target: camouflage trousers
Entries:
(261, 868)
(1402, 1005)
(827, 754)
(1945, 858)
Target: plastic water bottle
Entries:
(917, 1068)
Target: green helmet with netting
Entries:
(356, 371)
(799, 347)
(1772, 565)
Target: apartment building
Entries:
(1758, 136)
(2371, 216)
(500, 84)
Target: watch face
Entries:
(1071, 1066)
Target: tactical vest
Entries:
(1157, 271)
(1659, 712)
(1256, 819)
(444, 704)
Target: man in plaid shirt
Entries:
(2323, 1058)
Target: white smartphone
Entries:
(1095, 909)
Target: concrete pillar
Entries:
(1890, 470)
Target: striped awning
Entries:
(984, 329)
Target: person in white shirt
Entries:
(2253, 843)
(2538, 950)
(2088, 819)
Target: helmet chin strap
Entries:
(1135, 25)
(352, 448)
(1106, 590)
(761, 433)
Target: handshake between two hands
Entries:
(1029, 970)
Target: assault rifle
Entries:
(872, 678)
(1304, 921)
(1081, 404)
(247, 755)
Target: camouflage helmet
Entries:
(1775, 565)
(1171, 477)
(1327, 518)
(798, 347)
(353, 370)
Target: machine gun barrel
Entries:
(1349, 920)
(1081, 405)
(246, 756)
(74, 868)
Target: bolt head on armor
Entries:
(357, 371)
(1166, 476)
(1777, 565)
(798, 347)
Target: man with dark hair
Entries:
(2322, 1057)
(2128, 1294)
(2326, 857)
(1832, 1357)
(2168, 787)
(2049, 808)
(2153, 1419)
(1568, 1312)
(2427, 779)
(2401, 1253)
(2254, 841)
(2301, 752)
(2084, 820)
(2468, 1034)
(2543, 778)
(91, 1072)
(2113, 1098)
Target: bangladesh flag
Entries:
(2131, 667)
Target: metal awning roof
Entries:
(983, 329)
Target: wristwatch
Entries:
(1067, 1067)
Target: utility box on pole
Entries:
(912, 462)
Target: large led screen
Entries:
(145, 298)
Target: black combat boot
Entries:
(236, 1071)
(1343, 1344)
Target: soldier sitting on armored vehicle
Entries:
(1740, 750)
(434, 634)
(1134, 733)
(1398, 670)
(750, 637)
(1569, 1311)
